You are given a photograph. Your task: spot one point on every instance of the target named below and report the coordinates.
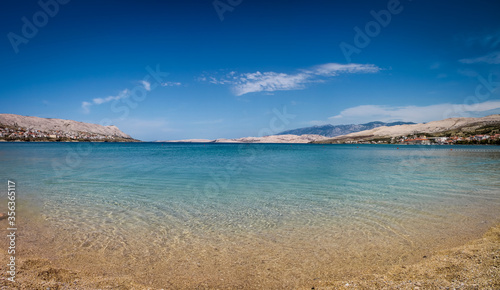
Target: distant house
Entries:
(485, 137)
(52, 136)
(418, 141)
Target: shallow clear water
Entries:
(160, 200)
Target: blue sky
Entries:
(164, 70)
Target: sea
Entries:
(188, 215)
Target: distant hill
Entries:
(264, 139)
(25, 128)
(275, 139)
(338, 130)
(451, 126)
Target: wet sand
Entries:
(475, 265)
(272, 264)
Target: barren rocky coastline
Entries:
(25, 128)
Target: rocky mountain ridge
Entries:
(25, 126)
(446, 126)
(338, 130)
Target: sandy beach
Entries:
(473, 265)
(364, 226)
(232, 144)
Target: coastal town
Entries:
(493, 139)
(9, 133)
(474, 139)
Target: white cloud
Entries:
(419, 114)
(334, 69)
(269, 82)
(170, 84)
(147, 85)
(273, 81)
(492, 58)
(122, 95)
(86, 107)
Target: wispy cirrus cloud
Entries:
(86, 107)
(170, 84)
(122, 95)
(244, 83)
(419, 114)
(269, 82)
(147, 85)
(335, 69)
(492, 58)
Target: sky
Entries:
(165, 70)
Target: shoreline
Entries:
(72, 141)
(256, 143)
(475, 265)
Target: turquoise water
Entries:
(243, 186)
(119, 197)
